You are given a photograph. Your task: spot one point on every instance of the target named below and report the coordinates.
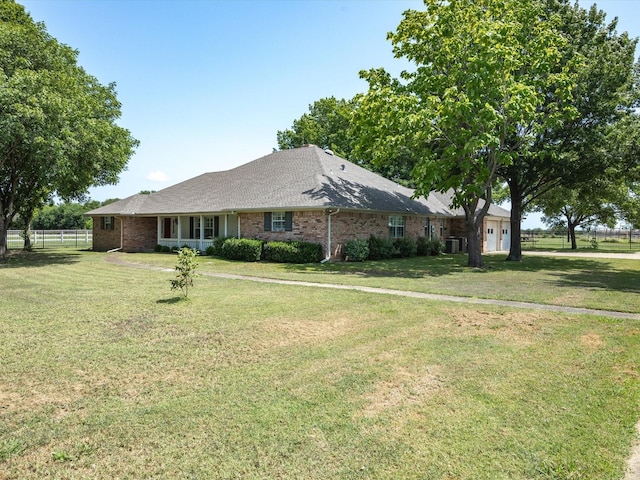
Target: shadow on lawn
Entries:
(577, 272)
(38, 258)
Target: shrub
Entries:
(422, 246)
(293, 252)
(436, 247)
(242, 249)
(405, 247)
(356, 250)
(157, 248)
(166, 249)
(381, 248)
(217, 245)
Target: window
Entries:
(208, 227)
(428, 228)
(278, 221)
(396, 226)
(107, 223)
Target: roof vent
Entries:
(328, 152)
(342, 167)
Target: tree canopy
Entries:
(480, 72)
(327, 125)
(59, 133)
(571, 152)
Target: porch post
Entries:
(226, 225)
(159, 230)
(179, 231)
(201, 232)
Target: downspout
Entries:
(329, 235)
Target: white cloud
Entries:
(158, 176)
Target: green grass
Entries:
(603, 244)
(106, 373)
(606, 284)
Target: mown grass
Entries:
(105, 373)
(606, 284)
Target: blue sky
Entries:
(206, 84)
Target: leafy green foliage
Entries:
(573, 151)
(480, 70)
(405, 247)
(356, 250)
(292, 252)
(59, 133)
(245, 249)
(381, 248)
(327, 125)
(429, 247)
(186, 270)
(215, 249)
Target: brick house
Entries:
(299, 194)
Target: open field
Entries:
(106, 373)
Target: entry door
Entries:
(166, 232)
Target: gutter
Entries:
(329, 236)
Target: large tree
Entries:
(59, 133)
(327, 125)
(570, 153)
(480, 72)
(570, 209)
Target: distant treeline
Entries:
(63, 216)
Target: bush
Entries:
(242, 249)
(165, 249)
(405, 247)
(293, 252)
(427, 247)
(215, 249)
(381, 248)
(422, 246)
(157, 248)
(356, 250)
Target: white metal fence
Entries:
(603, 238)
(51, 238)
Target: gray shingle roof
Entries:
(296, 179)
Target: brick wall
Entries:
(104, 240)
(307, 226)
(140, 234)
(312, 227)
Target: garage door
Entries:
(491, 234)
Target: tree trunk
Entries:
(474, 244)
(572, 234)
(27, 238)
(4, 227)
(515, 248)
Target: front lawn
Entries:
(606, 284)
(106, 373)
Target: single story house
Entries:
(305, 194)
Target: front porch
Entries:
(196, 231)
